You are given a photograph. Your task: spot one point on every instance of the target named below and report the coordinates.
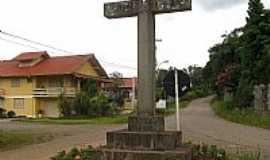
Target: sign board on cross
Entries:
(131, 8)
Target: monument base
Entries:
(115, 154)
(145, 139)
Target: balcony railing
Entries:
(54, 92)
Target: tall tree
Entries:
(255, 56)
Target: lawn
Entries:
(244, 116)
(16, 139)
(120, 119)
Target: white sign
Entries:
(161, 104)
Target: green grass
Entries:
(16, 139)
(244, 156)
(244, 116)
(121, 119)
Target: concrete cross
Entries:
(146, 11)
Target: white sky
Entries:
(79, 26)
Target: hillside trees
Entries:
(243, 58)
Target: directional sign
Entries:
(131, 8)
(121, 9)
(169, 6)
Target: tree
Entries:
(255, 55)
(117, 93)
(195, 74)
(223, 57)
(243, 58)
(160, 92)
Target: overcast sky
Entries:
(79, 27)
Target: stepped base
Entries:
(159, 141)
(145, 139)
(115, 154)
(146, 124)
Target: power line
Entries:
(17, 43)
(52, 47)
(34, 42)
(119, 65)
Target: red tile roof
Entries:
(31, 55)
(128, 82)
(61, 65)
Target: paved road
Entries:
(67, 137)
(199, 124)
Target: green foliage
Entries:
(245, 156)
(90, 87)
(212, 152)
(243, 116)
(88, 102)
(193, 94)
(247, 49)
(11, 114)
(117, 93)
(206, 152)
(88, 153)
(64, 106)
(2, 113)
(98, 105)
(195, 74)
(101, 105)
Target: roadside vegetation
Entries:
(199, 152)
(242, 116)
(242, 59)
(5, 114)
(15, 139)
(239, 63)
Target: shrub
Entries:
(102, 106)
(81, 104)
(98, 105)
(82, 154)
(203, 151)
(2, 113)
(64, 106)
(11, 114)
(193, 94)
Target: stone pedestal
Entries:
(145, 139)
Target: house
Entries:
(33, 81)
(128, 87)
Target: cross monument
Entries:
(146, 11)
(146, 137)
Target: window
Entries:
(15, 83)
(18, 103)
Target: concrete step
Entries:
(146, 124)
(118, 154)
(124, 139)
